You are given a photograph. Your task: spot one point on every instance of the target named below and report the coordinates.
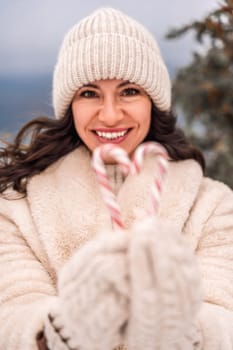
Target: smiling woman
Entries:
(112, 110)
(78, 284)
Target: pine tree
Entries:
(204, 90)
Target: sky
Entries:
(31, 31)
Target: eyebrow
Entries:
(124, 83)
(118, 86)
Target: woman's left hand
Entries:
(165, 292)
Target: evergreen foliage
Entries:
(204, 90)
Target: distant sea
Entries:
(23, 98)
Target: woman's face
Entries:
(112, 111)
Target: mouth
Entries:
(113, 136)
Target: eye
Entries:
(88, 94)
(130, 91)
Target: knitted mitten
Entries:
(140, 288)
(93, 293)
(165, 289)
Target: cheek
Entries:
(77, 123)
(80, 117)
(144, 116)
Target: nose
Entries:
(110, 112)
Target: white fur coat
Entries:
(64, 208)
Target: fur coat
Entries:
(64, 209)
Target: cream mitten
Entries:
(165, 289)
(93, 297)
(140, 288)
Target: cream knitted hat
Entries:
(109, 45)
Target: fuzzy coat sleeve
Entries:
(215, 256)
(26, 289)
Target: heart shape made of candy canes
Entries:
(128, 166)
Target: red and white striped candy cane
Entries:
(121, 157)
(160, 173)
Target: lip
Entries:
(113, 141)
(111, 129)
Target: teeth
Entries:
(111, 135)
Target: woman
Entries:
(67, 280)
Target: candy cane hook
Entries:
(121, 157)
(162, 165)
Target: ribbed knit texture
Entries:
(109, 45)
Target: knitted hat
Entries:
(109, 45)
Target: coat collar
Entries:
(68, 209)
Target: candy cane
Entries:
(162, 166)
(121, 157)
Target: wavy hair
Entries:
(42, 141)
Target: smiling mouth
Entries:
(111, 136)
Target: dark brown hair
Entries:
(43, 141)
(163, 129)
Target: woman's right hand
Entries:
(93, 297)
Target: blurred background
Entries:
(192, 43)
